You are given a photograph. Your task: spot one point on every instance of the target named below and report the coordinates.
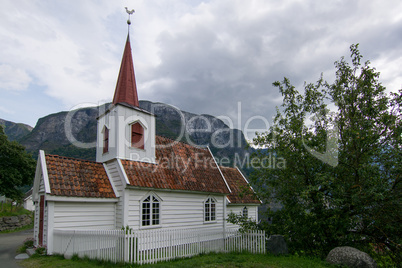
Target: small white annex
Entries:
(139, 179)
(28, 202)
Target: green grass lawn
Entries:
(207, 260)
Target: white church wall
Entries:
(177, 209)
(84, 215)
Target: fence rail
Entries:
(152, 246)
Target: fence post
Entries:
(125, 246)
(224, 240)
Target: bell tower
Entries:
(126, 131)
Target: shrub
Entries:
(29, 242)
(41, 250)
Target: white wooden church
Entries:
(138, 180)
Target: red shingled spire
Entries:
(126, 88)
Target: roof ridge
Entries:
(220, 166)
(183, 142)
(71, 158)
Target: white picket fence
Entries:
(151, 246)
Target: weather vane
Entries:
(129, 12)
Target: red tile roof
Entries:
(126, 88)
(77, 178)
(241, 190)
(179, 166)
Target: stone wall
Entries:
(13, 222)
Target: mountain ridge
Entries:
(15, 131)
(49, 133)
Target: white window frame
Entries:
(244, 212)
(151, 214)
(207, 216)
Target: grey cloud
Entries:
(218, 62)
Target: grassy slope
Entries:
(7, 210)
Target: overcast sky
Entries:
(217, 57)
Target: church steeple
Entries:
(126, 88)
(125, 131)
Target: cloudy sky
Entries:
(217, 57)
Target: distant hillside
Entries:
(15, 131)
(203, 130)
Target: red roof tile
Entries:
(241, 190)
(77, 178)
(179, 166)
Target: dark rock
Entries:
(25, 220)
(10, 223)
(23, 217)
(276, 244)
(350, 257)
(11, 220)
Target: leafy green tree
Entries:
(17, 167)
(342, 146)
(245, 224)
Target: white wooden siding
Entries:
(177, 209)
(114, 173)
(45, 223)
(117, 180)
(37, 214)
(36, 223)
(41, 185)
(80, 215)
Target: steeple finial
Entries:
(129, 12)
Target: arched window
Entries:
(210, 210)
(245, 212)
(137, 136)
(150, 211)
(105, 140)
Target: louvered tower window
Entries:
(137, 136)
(106, 140)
